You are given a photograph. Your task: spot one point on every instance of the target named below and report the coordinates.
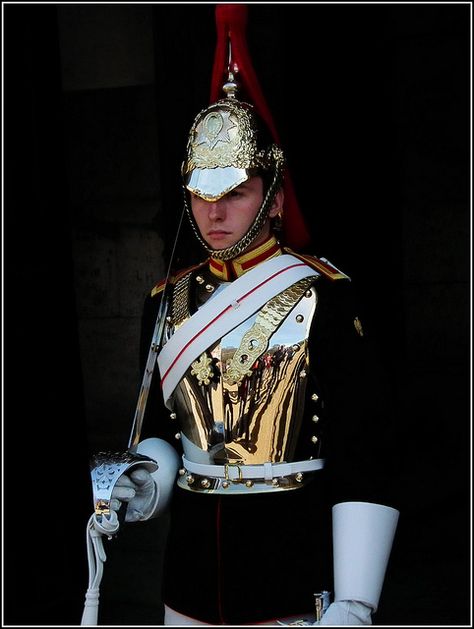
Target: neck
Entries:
(230, 269)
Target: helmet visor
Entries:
(213, 183)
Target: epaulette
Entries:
(158, 288)
(320, 264)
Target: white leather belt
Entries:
(264, 471)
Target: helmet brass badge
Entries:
(215, 128)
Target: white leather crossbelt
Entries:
(238, 301)
(263, 471)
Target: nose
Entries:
(217, 211)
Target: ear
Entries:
(277, 204)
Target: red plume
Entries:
(231, 22)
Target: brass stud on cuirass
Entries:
(205, 483)
(314, 439)
(299, 477)
(190, 479)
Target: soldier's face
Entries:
(222, 223)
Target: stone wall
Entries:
(114, 181)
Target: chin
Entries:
(219, 245)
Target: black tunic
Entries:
(243, 559)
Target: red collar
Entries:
(231, 269)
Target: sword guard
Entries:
(106, 468)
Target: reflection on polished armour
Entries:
(241, 402)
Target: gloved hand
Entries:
(138, 489)
(346, 613)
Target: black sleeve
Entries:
(357, 397)
(157, 420)
(148, 320)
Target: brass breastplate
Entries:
(242, 400)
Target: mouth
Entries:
(217, 234)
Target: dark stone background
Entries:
(372, 103)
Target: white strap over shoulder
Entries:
(238, 301)
(363, 534)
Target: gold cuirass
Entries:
(241, 401)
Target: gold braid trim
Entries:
(180, 301)
(256, 340)
(325, 268)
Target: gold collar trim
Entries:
(231, 269)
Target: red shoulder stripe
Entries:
(322, 265)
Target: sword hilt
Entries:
(106, 469)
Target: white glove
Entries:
(138, 489)
(346, 613)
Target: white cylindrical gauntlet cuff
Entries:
(165, 476)
(363, 534)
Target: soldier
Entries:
(269, 390)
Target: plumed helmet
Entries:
(232, 140)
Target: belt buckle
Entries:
(226, 472)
